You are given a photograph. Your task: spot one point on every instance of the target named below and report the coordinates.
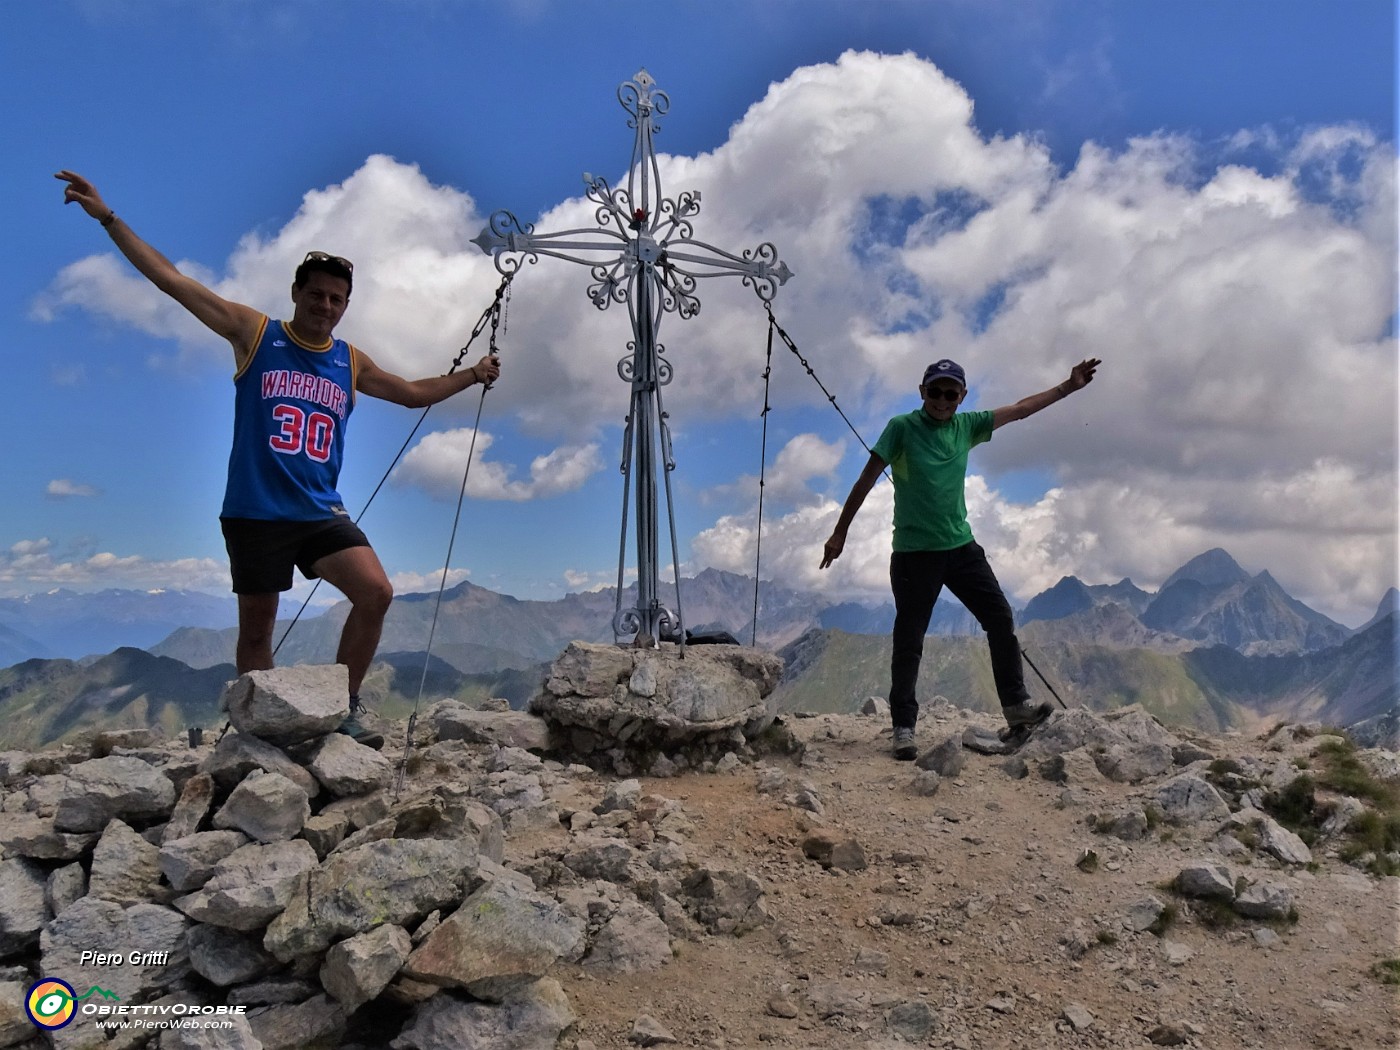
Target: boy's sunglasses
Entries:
(323, 257)
(934, 393)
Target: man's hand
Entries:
(85, 193)
(832, 549)
(487, 370)
(1082, 374)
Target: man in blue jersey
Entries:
(295, 385)
(926, 451)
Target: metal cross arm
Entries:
(643, 252)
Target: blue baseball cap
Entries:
(945, 369)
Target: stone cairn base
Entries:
(659, 711)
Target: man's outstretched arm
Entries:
(420, 393)
(1080, 376)
(833, 547)
(237, 323)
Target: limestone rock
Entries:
(725, 901)
(947, 758)
(155, 935)
(1281, 843)
(1265, 901)
(396, 881)
(358, 968)
(1186, 799)
(226, 957)
(188, 863)
(265, 806)
(192, 807)
(1209, 881)
(318, 1021)
(652, 698)
(344, 767)
(24, 908)
(531, 1018)
(634, 939)
(251, 885)
(238, 754)
(125, 867)
(286, 705)
(124, 788)
(834, 849)
(500, 939)
(208, 1033)
(65, 885)
(453, 720)
(22, 835)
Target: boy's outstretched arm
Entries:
(1080, 376)
(237, 323)
(837, 542)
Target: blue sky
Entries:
(1202, 194)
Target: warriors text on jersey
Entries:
(291, 401)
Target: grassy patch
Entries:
(1214, 914)
(1340, 770)
(1295, 807)
(1387, 971)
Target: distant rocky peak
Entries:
(1215, 568)
(1066, 598)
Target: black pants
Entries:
(917, 578)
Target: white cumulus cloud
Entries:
(437, 464)
(1243, 311)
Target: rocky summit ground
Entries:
(973, 925)
(1114, 884)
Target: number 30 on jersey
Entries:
(312, 432)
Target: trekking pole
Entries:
(1042, 678)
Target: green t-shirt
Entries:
(928, 462)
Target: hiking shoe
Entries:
(905, 750)
(1026, 713)
(361, 734)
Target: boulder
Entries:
(265, 806)
(238, 754)
(24, 908)
(396, 881)
(251, 885)
(226, 957)
(531, 1017)
(120, 787)
(149, 940)
(358, 968)
(347, 768)
(453, 720)
(125, 867)
(1186, 798)
(500, 939)
(603, 697)
(286, 705)
(188, 863)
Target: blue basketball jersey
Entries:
(291, 401)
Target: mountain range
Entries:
(1214, 646)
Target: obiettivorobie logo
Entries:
(52, 1003)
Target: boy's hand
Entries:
(1082, 374)
(85, 193)
(832, 549)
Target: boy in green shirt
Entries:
(926, 451)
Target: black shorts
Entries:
(261, 553)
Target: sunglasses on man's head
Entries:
(934, 393)
(323, 257)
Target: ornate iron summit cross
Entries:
(642, 253)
